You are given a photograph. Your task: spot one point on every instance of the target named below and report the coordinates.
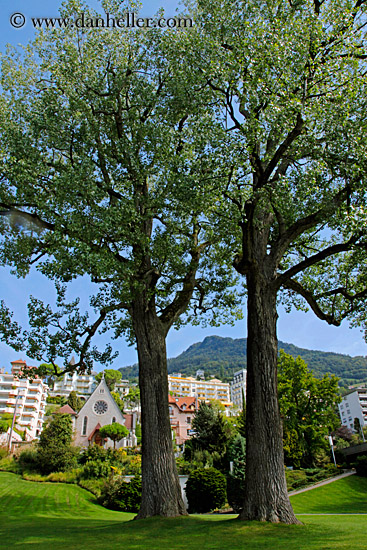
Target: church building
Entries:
(99, 410)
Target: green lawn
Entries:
(46, 516)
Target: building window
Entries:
(188, 420)
(85, 423)
(101, 390)
(113, 419)
(170, 411)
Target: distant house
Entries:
(100, 410)
(182, 411)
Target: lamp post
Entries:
(20, 394)
(332, 448)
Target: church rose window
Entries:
(100, 407)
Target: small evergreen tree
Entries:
(54, 451)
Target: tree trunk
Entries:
(161, 492)
(266, 495)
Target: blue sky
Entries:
(301, 329)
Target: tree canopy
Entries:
(111, 376)
(114, 431)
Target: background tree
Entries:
(288, 80)
(54, 450)
(114, 431)
(133, 397)
(3, 426)
(111, 376)
(308, 410)
(212, 433)
(105, 162)
(118, 400)
(74, 401)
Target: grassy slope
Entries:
(42, 516)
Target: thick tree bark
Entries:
(266, 496)
(161, 492)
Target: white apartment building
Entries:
(24, 396)
(204, 390)
(354, 405)
(83, 384)
(238, 388)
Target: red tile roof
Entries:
(66, 409)
(181, 401)
(128, 421)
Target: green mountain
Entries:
(221, 357)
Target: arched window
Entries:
(85, 424)
(113, 419)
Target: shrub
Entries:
(296, 479)
(28, 460)
(3, 452)
(94, 469)
(93, 453)
(118, 494)
(361, 466)
(205, 490)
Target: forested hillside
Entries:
(223, 356)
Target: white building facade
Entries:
(83, 384)
(24, 397)
(354, 405)
(204, 390)
(238, 388)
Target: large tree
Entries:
(105, 167)
(290, 80)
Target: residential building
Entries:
(122, 388)
(181, 413)
(98, 411)
(354, 405)
(83, 384)
(24, 397)
(238, 388)
(204, 390)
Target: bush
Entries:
(93, 453)
(28, 460)
(361, 466)
(296, 479)
(205, 490)
(118, 494)
(95, 469)
(3, 452)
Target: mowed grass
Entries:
(46, 516)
